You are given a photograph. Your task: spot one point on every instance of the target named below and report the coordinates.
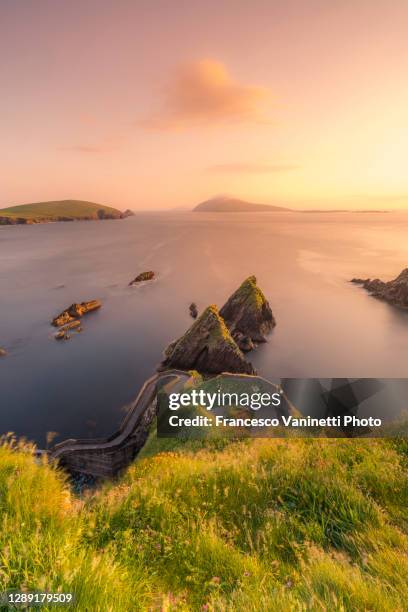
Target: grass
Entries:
(53, 210)
(250, 293)
(219, 334)
(215, 525)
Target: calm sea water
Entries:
(326, 327)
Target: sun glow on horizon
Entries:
(304, 108)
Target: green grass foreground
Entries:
(216, 525)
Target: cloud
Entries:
(203, 93)
(86, 149)
(108, 146)
(243, 168)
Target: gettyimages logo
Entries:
(220, 399)
(340, 407)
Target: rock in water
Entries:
(143, 276)
(247, 315)
(193, 310)
(128, 213)
(394, 292)
(207, 347)
(62, 333)
(75, 311)
(2, 352)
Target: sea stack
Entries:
(247, 315)
(394, 292)
(208, 347)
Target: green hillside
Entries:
(63, 210)
(218, 526)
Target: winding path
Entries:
(105, 457)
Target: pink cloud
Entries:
(250, 168)
(203, 93)
(87, 149)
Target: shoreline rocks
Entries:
(128, 213)
(208, 347)
(394, 292)
(142, 277)
(13, 221)
(248, 315)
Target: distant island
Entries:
(228, 204)
(62, 210)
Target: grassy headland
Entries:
(251, 525)
(63, 210)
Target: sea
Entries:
(326, 326)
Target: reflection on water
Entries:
(326, 327)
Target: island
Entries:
(226, 204)
(61, 210)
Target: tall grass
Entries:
(250, 525)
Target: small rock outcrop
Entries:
(68, 319)
(247, 315)
(207, 347)
(128, 213)
(143, 276)
(394, 292)
(63, 332)
(75, 311)
(193, 310)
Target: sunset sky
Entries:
(161, 104)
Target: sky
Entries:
(161, 104)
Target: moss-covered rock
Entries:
(248, 315)
(207, 347)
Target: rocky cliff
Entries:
(247, 315)
(395, 292)
(208, 347)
